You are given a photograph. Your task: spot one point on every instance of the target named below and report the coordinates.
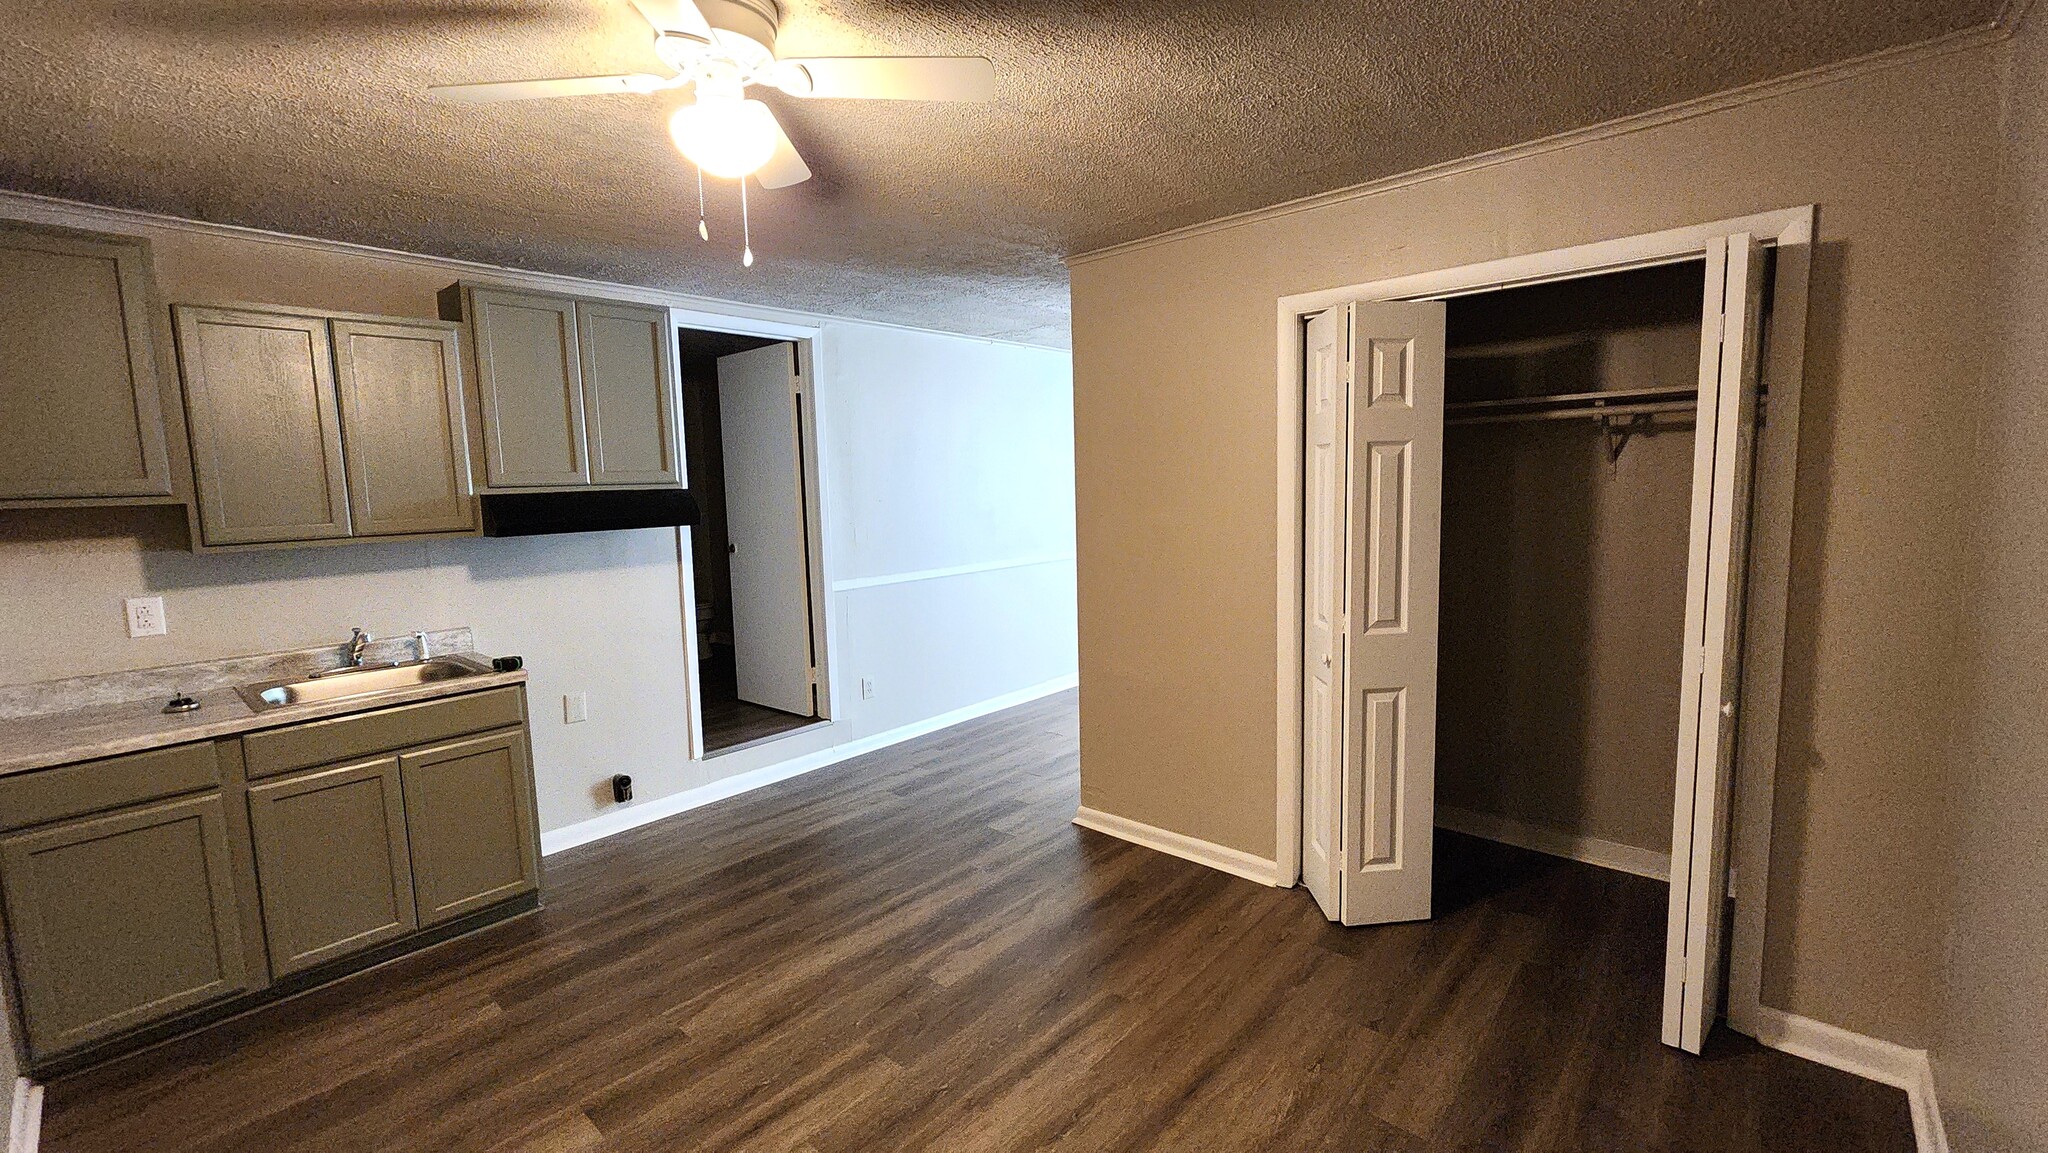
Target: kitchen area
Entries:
(196, 819)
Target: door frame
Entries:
(824, 614)
(1791, 232)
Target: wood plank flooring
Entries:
(729, 724)
(916, 950)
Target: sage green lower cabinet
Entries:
(331, 862)
(469, 812)
(121, 919)
(136, 899)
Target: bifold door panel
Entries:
(1373, 477)
(1713, 613)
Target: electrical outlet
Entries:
(867, 689)
(146, 617)
(575, 708)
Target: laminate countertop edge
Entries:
(63, 738)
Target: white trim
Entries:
(1791, 231)
(1556, 842)
(1866, 1057)
(1979, 36)
(1236, 862)
(25, 1117)
(897, 578)
(698, 311)
(619, 821)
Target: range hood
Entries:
(549, 513)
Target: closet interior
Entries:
(1567, 491)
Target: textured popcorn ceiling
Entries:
(1112, 121)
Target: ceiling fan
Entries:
(720, 48)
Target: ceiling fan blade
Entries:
(497, 90)
(784, 168)
(888, 77)
(680, 17)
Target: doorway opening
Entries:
(1527, 500)
(753, 558)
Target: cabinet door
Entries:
(469, 811)
(529, 375)
(80, 407)
(402, 427)
(629, 388)
(122, 919)
(331, 862)
(266, 429)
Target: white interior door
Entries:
(1326, 397)
(1392, 372)
(1722, 447)
(760, 418)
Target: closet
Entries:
(1567, 491)
(1524, 527)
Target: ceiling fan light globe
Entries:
(726, 138)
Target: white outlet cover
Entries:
(146, 617)
(867, 689)
(575, 708)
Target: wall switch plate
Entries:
(575, 708)
(146, 617)
(867, 689)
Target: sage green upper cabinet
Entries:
(529, 378)
(266, 429)
(403, 432)
(121, 919)
(628, 386)
(571, 393)
(311, 426)
(469, 814)
(81, 406)
(331, 862)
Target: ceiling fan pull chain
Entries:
(703, 229)
(746, 229)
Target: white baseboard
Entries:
(1236, 862)
(1557, 843)
(620, 820)
(25, 1117)
(1867, 1057)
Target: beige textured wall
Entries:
(1991, 1058)
(1175, 427)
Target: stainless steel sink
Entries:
(341, 684)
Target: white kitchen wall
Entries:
(937, 452)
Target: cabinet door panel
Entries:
(628, 391)
(530, 388)
(469, 812)
(80, 406)
(331, 862)
(266, 429)
(120, 920)
(403, 432)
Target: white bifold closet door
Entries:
(1722, 460)
(1372, 520)
(760, 421)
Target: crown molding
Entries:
(29, 207)
(1979, 36)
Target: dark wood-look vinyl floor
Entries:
(729, 724)
(917, 951)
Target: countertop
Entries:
(63, 736)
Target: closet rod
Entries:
(1580, 412)
(1682, 392)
